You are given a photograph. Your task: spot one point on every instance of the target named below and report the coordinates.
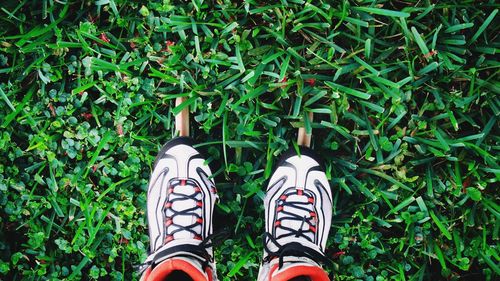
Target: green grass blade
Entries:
(382, 12)
(440, 225)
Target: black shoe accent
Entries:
(171, 143)
(304, 150)
(178, 275)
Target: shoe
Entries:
(298, 215)
(180, 203)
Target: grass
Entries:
(406, 103)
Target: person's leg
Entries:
(298, 210)
(180, 201)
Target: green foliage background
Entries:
(405, 97)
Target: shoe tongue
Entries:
(285, 220)
(179, 204)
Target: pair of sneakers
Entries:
(180, 204)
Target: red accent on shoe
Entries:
(199, 204)
(168, 222)
(283, 197)
(310, 200)
(197, 189)
(277, 223)
(312, 228)
(168, 205)
(199, 220)
(145, 275)
(273, 269)
(279, 209)
(164, 269)
(197, 237)
(170, 190)
(315, 273)
(313, 214)
(209, 273)
(300, 192)
(183, 182)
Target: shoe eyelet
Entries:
(169, 238)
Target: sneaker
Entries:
(298, 215)
(180, 203)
